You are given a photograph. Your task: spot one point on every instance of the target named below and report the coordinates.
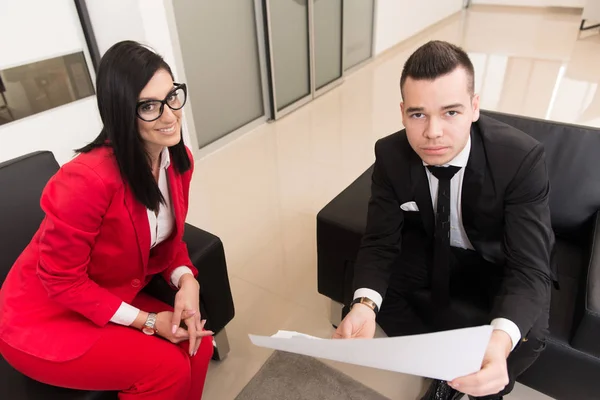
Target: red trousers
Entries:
(124, 359)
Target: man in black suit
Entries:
(488, 243)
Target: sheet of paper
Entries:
(441, 355)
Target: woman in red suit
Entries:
(72, 310)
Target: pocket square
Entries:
(410, 206)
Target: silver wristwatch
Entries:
(149, 326)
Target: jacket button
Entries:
(136, 283)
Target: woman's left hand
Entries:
(188, 299)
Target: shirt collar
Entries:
(165, 158)
(461, 158)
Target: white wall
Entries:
(533, 3)
(22, 45)
(115, 20)
(592, 10)
(144, 21)
(37, 30)
(397, 20)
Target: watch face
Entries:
(148, 331)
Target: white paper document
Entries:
(442, 355)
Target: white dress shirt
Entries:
(458, 235)
(161, 227)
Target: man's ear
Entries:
(402, 112)
(475, 105)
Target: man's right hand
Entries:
(358, 324)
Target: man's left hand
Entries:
(493, 376)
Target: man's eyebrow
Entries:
(456, 105)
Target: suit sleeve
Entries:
(381, 242)
(182, 258)
(74, 201)
(528, 243)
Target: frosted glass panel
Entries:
(289, 43)
(328, 41)
(358, 31)
(220, 53)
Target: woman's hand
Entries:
(163, 328)
(187, 308)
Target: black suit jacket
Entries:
(505, 207)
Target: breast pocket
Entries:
(413, 218)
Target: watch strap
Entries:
(367, 302)
(151, 321)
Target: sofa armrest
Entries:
(587, 335)
(340, 227)
(208, 256)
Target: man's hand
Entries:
(358, 324)
(493, 376)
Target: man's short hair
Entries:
(435, 59)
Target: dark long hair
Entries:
(124, 71)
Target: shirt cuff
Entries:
(371, 294)
(125, 314)
(178, 273)
(510, 328)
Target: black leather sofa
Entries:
(21, 183)
(569, 367)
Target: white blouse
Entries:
(161, 226)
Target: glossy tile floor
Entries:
(261, 192)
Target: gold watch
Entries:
(367, 302)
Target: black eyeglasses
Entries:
(151, 110)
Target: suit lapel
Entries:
(422, 193)
(139, 218)
(139, 214)
(176, 191)
(473, 180)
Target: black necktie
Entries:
(440, 275)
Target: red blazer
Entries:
(91, 252)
